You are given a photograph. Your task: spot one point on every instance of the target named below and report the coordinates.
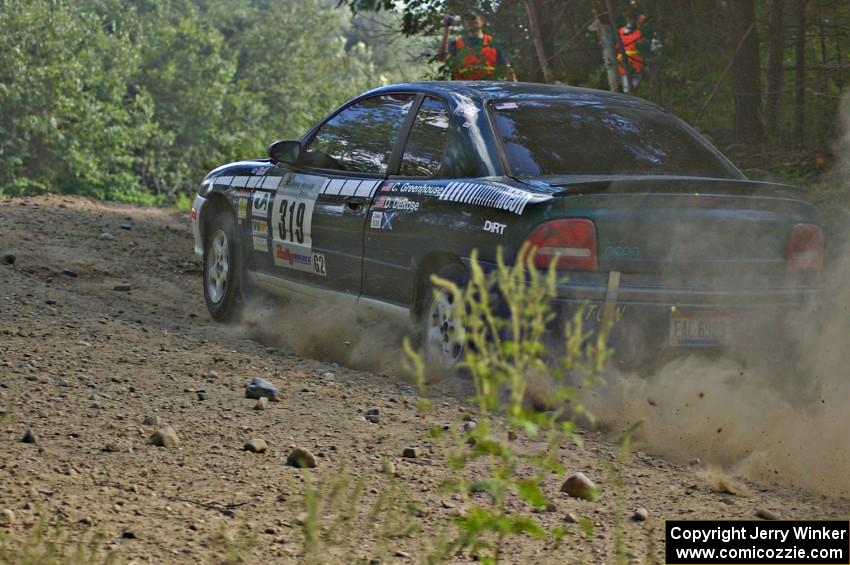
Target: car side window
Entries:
(360, 138)
(426, 145)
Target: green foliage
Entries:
(54, 544)
(136, 101)
(336, 517)
(236, 545)
(67, 121)
(697, 45)
(501, 354)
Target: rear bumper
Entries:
(642, 317)
(641, 306)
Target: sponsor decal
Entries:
(382, 220)
(259, 170)
(291, 220)
(496, 196)
(259, 227)
(494, 227)
(261, 244)
(319, 265)
(621, 251)
(396, 203)
(507, 106)
(286, 255)
(243, 208)
(261, 202)
(423, 189)
(388, 219)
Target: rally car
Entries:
(650, 225)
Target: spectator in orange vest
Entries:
(632, 42)
(473, 56)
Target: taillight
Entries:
(573, 240)
(805, 249)
(194, 214)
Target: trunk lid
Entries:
(690, 230)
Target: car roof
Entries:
(504, 90)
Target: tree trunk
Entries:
(746, 72)
(615, 34)
(603, 26)
(800, 76)
(775, 69)
(537, 38)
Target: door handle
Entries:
(353, 203)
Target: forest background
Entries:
(135, 100)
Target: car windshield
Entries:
(567, 137)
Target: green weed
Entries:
(54, 544)
(337, 518)
(502, 351)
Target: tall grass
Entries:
(507, 316)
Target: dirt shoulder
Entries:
(83, 365)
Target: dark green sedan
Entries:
(641, 213)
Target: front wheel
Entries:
(222, 270)
(443, 338)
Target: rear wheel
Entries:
(443, 341)
(222, 269)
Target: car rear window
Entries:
(566, 137)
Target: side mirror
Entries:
(285, 152)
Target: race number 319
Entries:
(290, 226)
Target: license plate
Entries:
(698, 328)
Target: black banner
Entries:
(758, 542)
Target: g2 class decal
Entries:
(319, 265)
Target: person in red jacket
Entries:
(473, 56)
(631, 41)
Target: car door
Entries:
(319, 210)
(405, 211)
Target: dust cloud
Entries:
(773, 415)
(330, 330)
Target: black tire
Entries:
(223, 268)
(441, 353)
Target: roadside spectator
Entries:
(633, 42)
(474, 55)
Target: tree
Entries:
(800, 75)
(746, 71)
(537, 37)
(775, 69)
